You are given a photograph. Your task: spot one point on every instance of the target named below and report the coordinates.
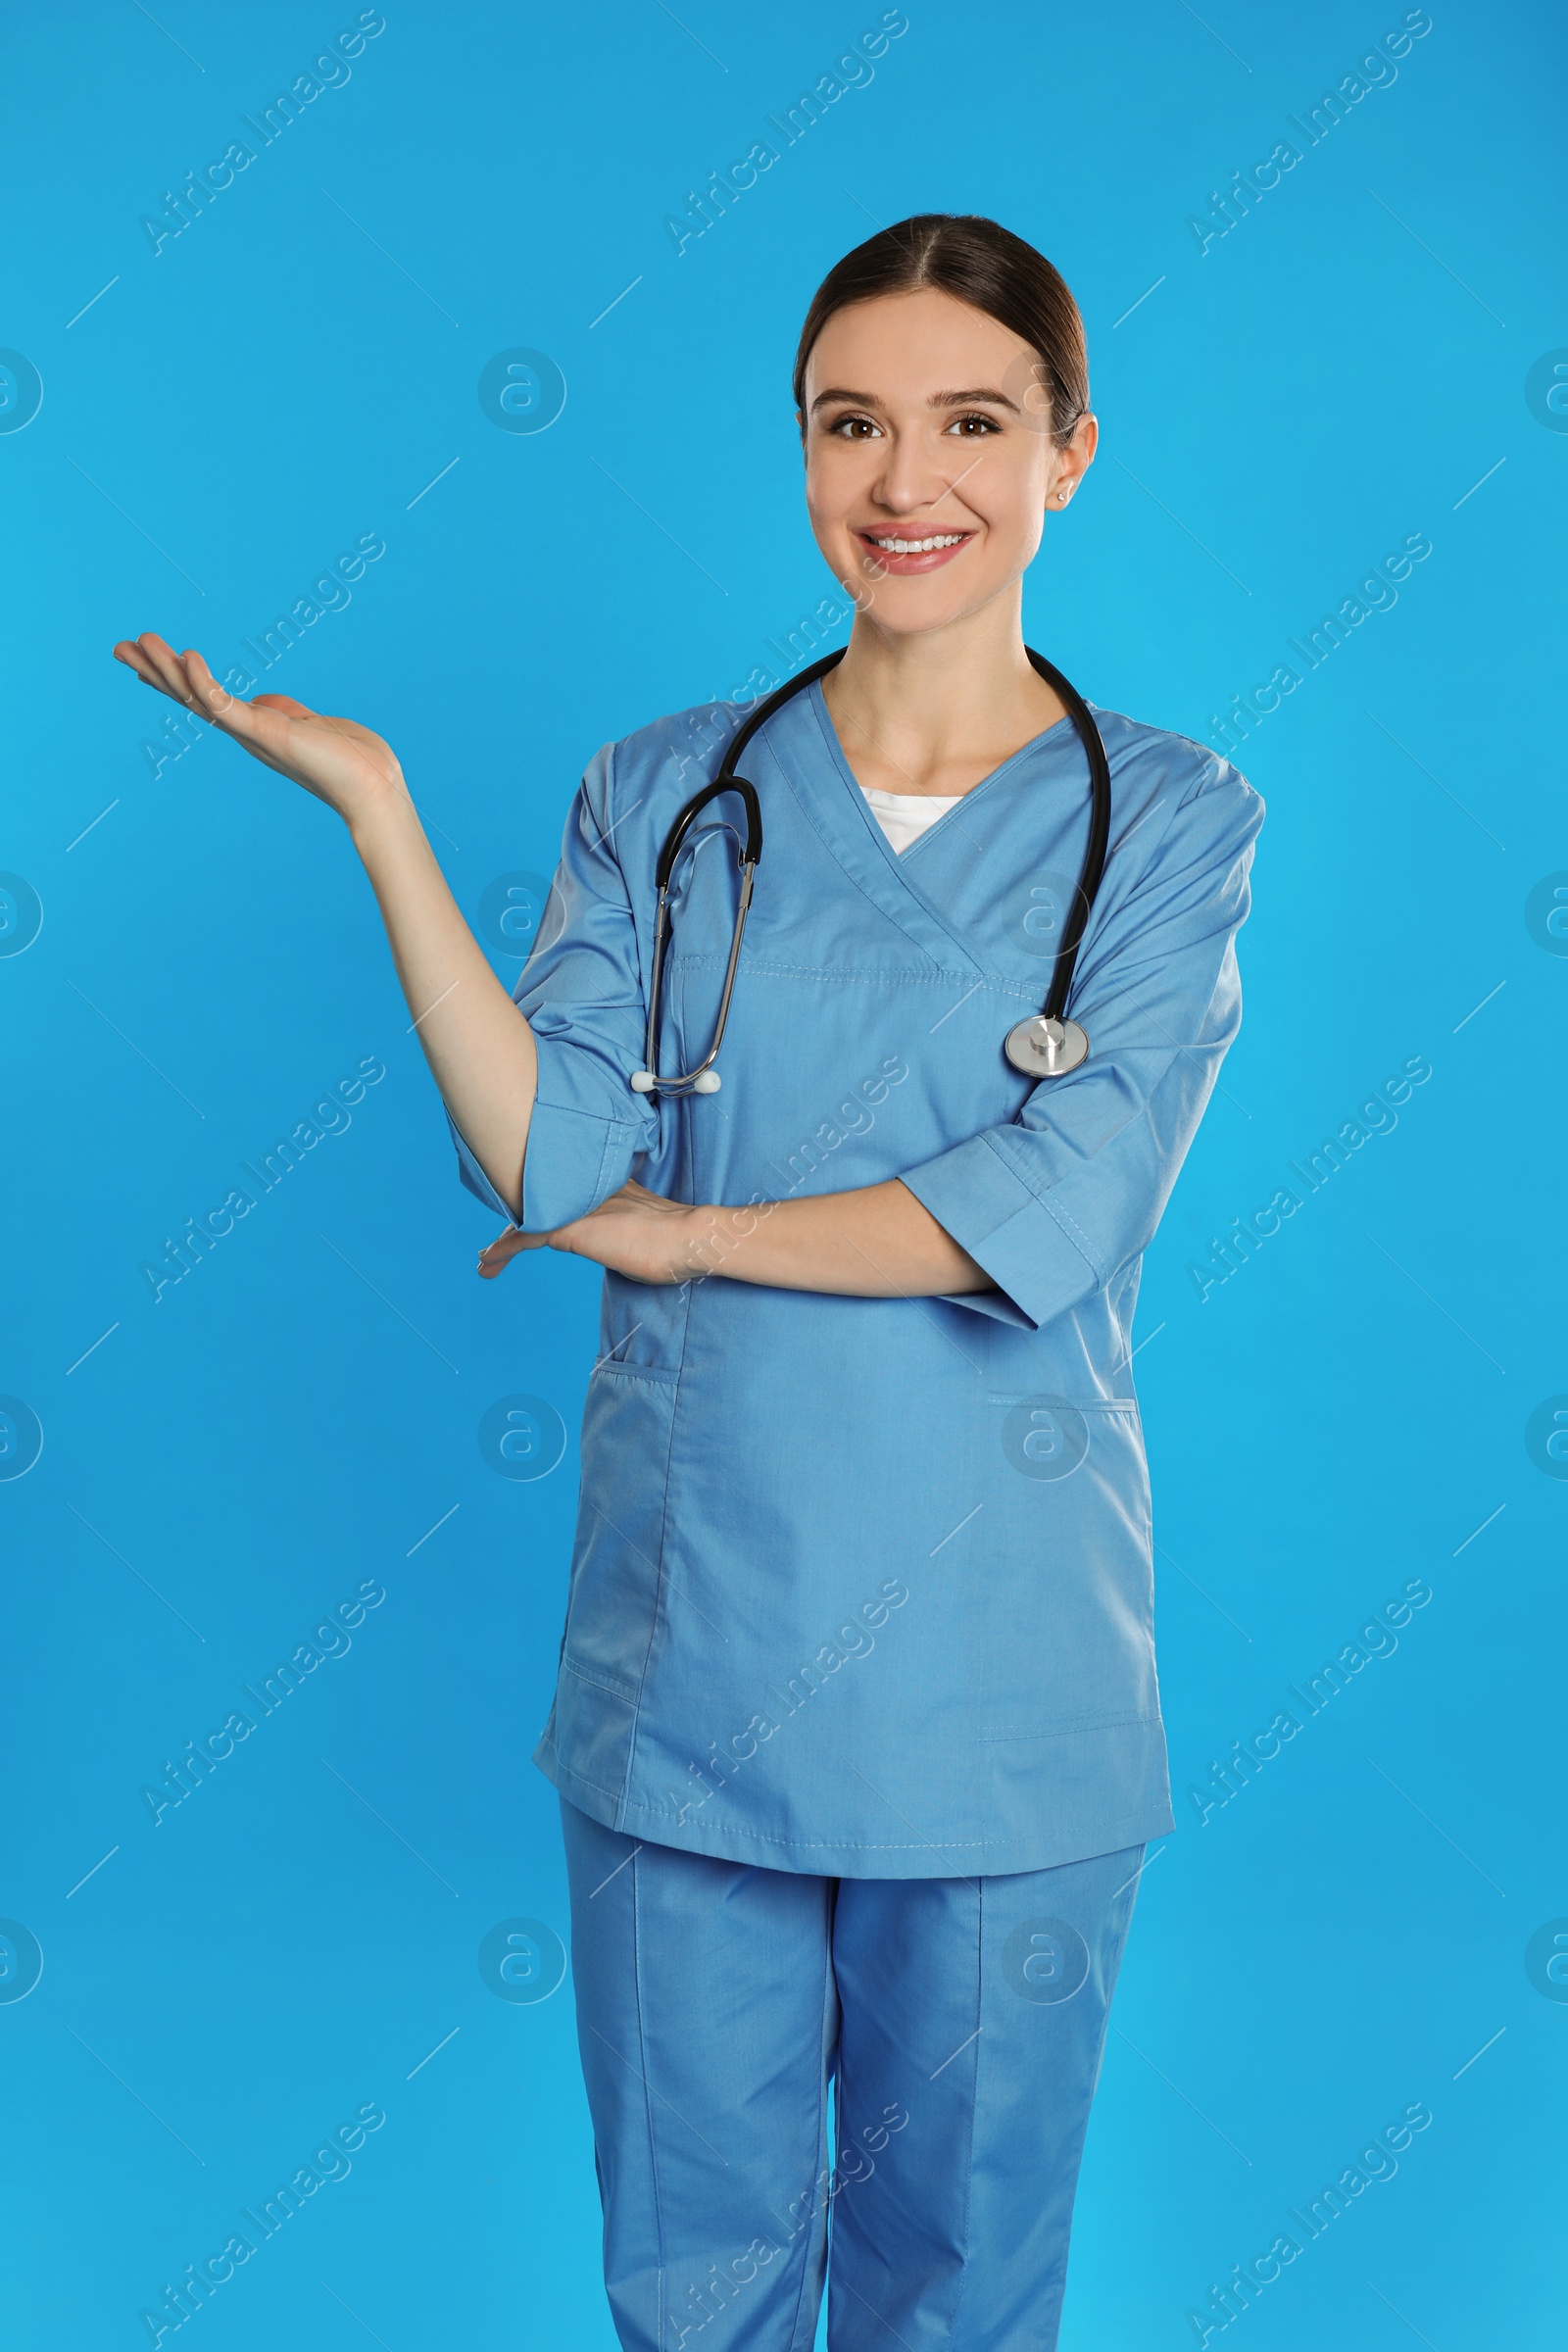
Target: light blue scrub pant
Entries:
(961, 2022)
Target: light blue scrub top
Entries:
(865, 1587)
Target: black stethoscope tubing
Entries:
(1047, 1045)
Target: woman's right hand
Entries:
(337, 759)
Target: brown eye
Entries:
(853, 429)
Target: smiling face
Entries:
(929, 463)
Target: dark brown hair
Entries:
(978, 262)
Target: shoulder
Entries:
(691, 740)
(1169, 764)
(1180, 797)
(1179, 809)
(647, 775)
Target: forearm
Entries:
(878, 1243)
(479, 1048)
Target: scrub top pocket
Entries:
(1062, 1567)
(613, 1603)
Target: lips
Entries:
(901, 549)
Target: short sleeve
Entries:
(582, 992)
(1054, 1203)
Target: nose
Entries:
(913, 476)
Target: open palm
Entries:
(336, 759)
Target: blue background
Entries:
(1342, 1416)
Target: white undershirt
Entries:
(904, 816)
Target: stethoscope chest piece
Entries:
(1042, 1047)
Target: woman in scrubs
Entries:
(856, 1729)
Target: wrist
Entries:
(718, 1237)
(384, 818)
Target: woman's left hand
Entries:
(635, 1232)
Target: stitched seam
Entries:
(1074, 1233)
(937, 977)
(577, 1111)
(974, 2101)
(570, 1772)
(1080, 1405)
(610, 1147)
(854, 1845)
(1059, 1217)
(816, 702)
(658, 1571)
(1070, 1731)
(986, 782)
(821, 2118)
(642, 2055)
(836, 761)
(807, 1845)
(569, 1665)
(1152, 1821)
(615, 1134)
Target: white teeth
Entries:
(918, 546)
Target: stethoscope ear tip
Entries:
(642, 1082)
(707, 1084)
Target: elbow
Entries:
(557, 1188)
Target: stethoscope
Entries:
(1045, 1045)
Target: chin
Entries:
(915, 607)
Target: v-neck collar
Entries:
(830, 736)
(804, 746)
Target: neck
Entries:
(938, 712)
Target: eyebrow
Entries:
(938, 399)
